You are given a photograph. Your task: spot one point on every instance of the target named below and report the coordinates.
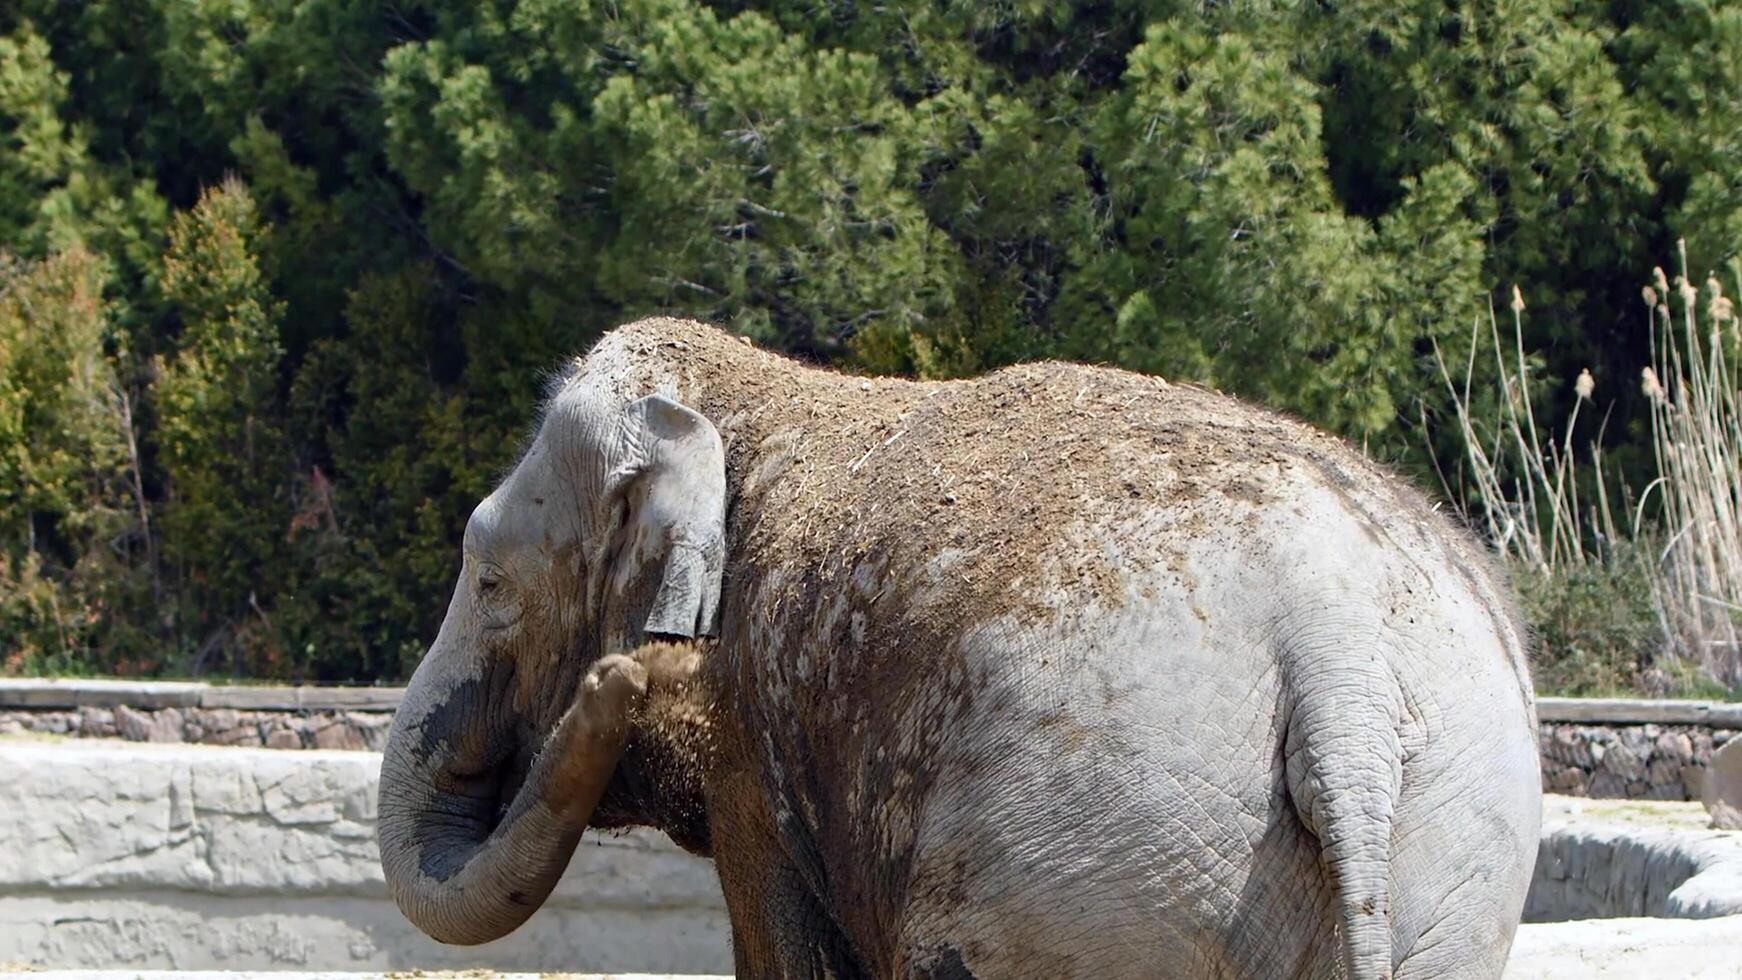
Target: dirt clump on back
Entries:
(661, 778)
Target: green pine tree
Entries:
(220, 439)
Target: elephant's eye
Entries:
(489, 578)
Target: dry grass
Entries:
(1527, 488)
(1524, 486)
(1696, 425)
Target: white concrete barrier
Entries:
(183, 857)
(327, 975)
(1633, 859)
(192, 857)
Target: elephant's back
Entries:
(1037, 491)
(1010, 472)
(1034, 487)
(1083, 510)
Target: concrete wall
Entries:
(193, 857)
(1633, 860)
(115, 854)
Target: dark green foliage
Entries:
(1595, 626)
(419, 454)
(71, 547)
(219, 433)
(326, 251)
(1596, 632)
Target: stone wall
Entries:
(1635, 762)
(208, 726)
(1615, 761)
(1606, 748)
(208, 714)
(1628, 748)
(192, 857)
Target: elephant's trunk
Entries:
(463, 867)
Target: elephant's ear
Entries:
(676, 495)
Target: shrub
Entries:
(1594, 628)
(72, 535)
(219, 434)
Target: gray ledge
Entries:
(78, 693)
(1639, 711)
(31, 692)
(303, 698)
(68, 694)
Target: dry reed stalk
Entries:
(1529, 495)
(1527, 488)
(1696, 424)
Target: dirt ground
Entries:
(1628, 949)
(1644, 813)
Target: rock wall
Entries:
(1605, 748)
(191, 857)
(1616, 761)
(1637, 762)
(321, 729)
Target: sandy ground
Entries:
(1644, 813)
(1634, 949)
(1612, 949)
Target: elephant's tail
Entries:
(1344, 771)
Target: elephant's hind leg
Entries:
(1459, 893)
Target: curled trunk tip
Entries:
(457, 873)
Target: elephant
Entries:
(1061, 671)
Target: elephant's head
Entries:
(608, 531)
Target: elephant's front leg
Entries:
(779, 929)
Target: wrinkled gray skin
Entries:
(1059, 672)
